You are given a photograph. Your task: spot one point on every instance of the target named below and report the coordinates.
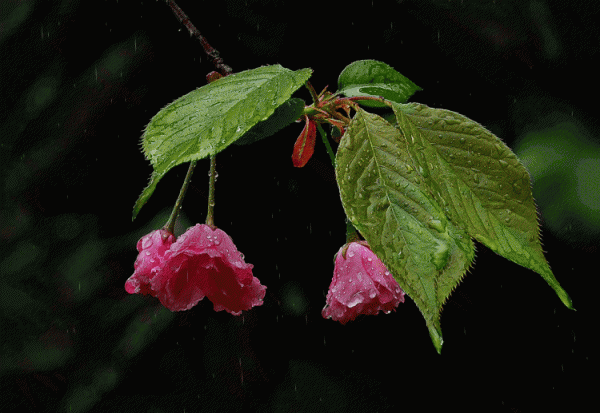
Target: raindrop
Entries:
(440, 255)
(147, 242)
(436, 224)
(516, 188)
(462, 140)
(503, 163)
(350, 254)
(355, 300)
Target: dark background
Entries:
(79, 80)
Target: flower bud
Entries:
(361, 285)
(305, 144)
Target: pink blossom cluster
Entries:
(203, 262)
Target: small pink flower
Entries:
(205, 263)
(361, 285)
(152, 248)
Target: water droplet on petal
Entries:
(147, 242)
(355, 300)
(350, 254)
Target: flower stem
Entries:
(210, 217)
(327, 145)
(312, 91)
(170, 225)
(351, 232)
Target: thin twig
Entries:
(211, 52)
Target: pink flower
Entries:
(361, 285)
(152, 248)
(204, 263)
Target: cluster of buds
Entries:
(325, 109)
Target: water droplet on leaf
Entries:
(440, 255)
(436, 224)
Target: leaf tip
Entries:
(566, 300)
(436, 338)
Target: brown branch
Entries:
(211, 52)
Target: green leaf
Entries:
(374, 78)
(480, 182)
(207, 120)
(387, 200)
(283, 116)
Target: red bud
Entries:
(305, 144)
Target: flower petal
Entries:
(152, 248)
